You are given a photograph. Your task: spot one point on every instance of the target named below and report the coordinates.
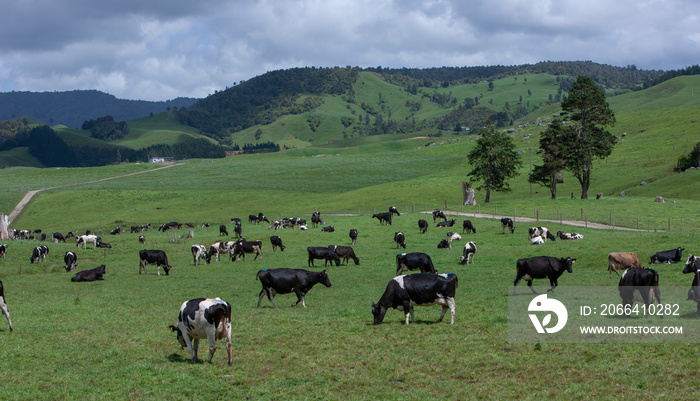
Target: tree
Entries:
(494, 161)
(548, 174)
(586, 140)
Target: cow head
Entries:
(101, 269)
(568, 262)
(167, 268)
(324, 279)
(690, 265)
(378, 311)
(180, 338)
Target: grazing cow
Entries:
(38, 253)
(507, 222)
(542, 267)
(566, 236)
(142, 239)
(405, 292)
(447, 223)
(156, 257)
(257, 219)
(394, 210)
(537, 240)
(384, 218)
(316, 219)
(3, 250)
(414, 261)
(90, 275)
(345, 252)
(276, 241)
(453, 236)
(43, 236)
(646, 281)
(319, 252)
(353, 236)
(235, 220)
(400, 240)
(3, 306)
(200, 251)
(541, 232)
(104, 245)
(138, 229)
(285, 281)
(223, 230)
(468, 227)
(71, 260)
(444, 244)
(670, 256)
(422, 226)
(58, 237)
(169, 226)
(692, 265)
(621, 261)
(238, 230)
(84, 239)
(241, 247)
(204, 318)
(469, 250)
(438, 214)
(328, 229)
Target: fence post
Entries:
(513, 213)
(537, 214)
(581, 213)
(413, 208)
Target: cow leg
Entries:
(142, 265)
(553, 283)
(516, 281)
(3, 307)
(192, 347)
(195, 349)
(211, 338)
(529, 285)
(256, 256)
(260, 296)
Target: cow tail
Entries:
(257, 276)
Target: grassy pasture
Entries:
(109, 339)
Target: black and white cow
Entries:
(39, 253)
(422, 226)
(400, 240)
(394, 210)
(155, 257)
(542, 267)
(645, 281)
(345, 252)
(257, 219)
(142, 239)
(3, 250)
(238, 230)
(316, 219)
(242, 247)
(90, 275)
(439, 214)
(384, 218)
(169, 226)
(71, 260)
(84, 239)
(276, 241)
(507, 222)
(116, 231)
(328, 229)
(223, 230)
(200, 252)
(670, 256)
(285, 281)
(541, 232)
(353, 236)
(319, 252)
(469, 250)
(204, 318)
(58, 237)
(447, 223)
(692, 265)
(103, 245)
(568, 236)
(453, 236)
(414, 261)
(468, 227)
(3, 306)
(217, 248)
(423, 289)
(444, 244)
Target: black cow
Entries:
(104, 245)
(241, 247)
(447, 223)
(58, 237)
(169, 226)
(257, 219)
(156, 257)
(90, 275)
(403, 292)
(414, 261)
(276, 241)
(316, 219)
(438, 214)
(692, 265)
(400, 239)
(204, 318)
(285, 281)
(328, 229)
(542, 267)
(223, 230)
(444, 244)
(384, 217)
(422, 226)
(71, 260)
(116, 231)
(507, 222)
(670, 256)
(3, 306)
(3, 250)
(468, 227)
(39, 253)
(646, 281)
(394, 210)
(345, 252)
(238, 230)
(353, 236)
(319, 252)
(469, 250)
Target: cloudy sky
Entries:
(159, 50)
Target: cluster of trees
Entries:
(572, 146)
(13, 132)
(106, 129)
(261, 147)
(689, 160)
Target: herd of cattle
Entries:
(211, 318)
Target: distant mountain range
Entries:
(72, 108)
